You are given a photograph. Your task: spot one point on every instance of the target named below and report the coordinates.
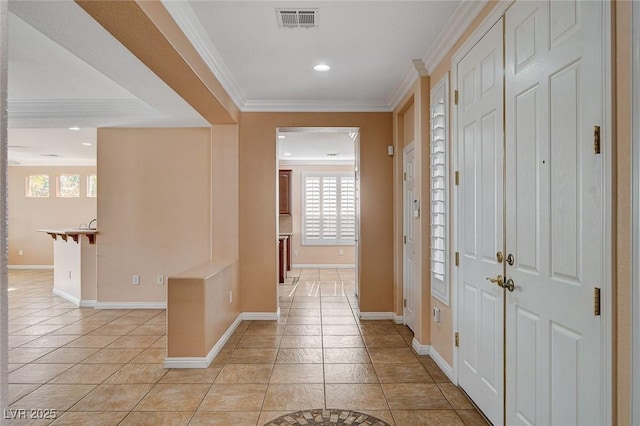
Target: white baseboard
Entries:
(130, 305)
(260, 316)
(324, 266)
(420, 349)
(203, 362)
(47, 267)
(398, 319)
(375, 315)
(67, 296)
(88, 303)
(444, 366)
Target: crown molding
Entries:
(464, 15)
(314, 106)
(188, 21)
(466, 12)
(74, 108)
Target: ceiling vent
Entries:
(303, 18)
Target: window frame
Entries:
(440, 283)
(89, 176)
(29, 194)
(58, 185)
(305, 241)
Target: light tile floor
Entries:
(104, 367)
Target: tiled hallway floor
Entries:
(104, 367)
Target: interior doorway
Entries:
(318, 201)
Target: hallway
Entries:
(105, 366)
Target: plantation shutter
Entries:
(438, 189)
(328, 209)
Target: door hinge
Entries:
(457, 177)
(404, 303)
(404, 239)
(457, 337)
(596, 139)
(457, 258)
(596, 301)
(404, 176)
(455, 97)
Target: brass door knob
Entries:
(499, 281)
(509, 285)
(499, 257)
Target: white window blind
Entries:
(328, 208)
(438, 189)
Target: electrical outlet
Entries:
(20, 253)
(231, 297)
(160, 279)
(135, 280)
(341, 252)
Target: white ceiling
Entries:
(65, 70)
(315, 144)
(369, 45)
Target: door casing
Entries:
(607, 153)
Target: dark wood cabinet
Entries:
(285, 192)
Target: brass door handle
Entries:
(499, 281)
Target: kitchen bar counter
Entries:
(74, 264)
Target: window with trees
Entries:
(37, 186)
(68, 186)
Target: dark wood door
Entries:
(285, 192)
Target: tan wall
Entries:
(313, 255)
(441, 335)
(258, 213)
(622, 212)
(154, 209)
(28, 214)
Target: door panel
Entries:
(554, 216)
(409, 251)
(480, 222)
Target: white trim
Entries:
(466, 12)
(375, 315)
(323, 265)
(203, 362)
(88, 303)
(44, 267)
(420, 349)
(398, 319)
(188, 21)
(489, 21)
(66, 296)
(453, 30)
(444, 366)
(313, 106)
(635, 229)
(317, 162)
(445, 295)
(130, 305)
(260, 316)
(607, 210)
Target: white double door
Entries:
(531, 188)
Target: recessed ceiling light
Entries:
(86, 143)
(287, 154)
(332, 154)
(281, 136)
(74, 128)
(322, 67)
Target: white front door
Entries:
(554, 217)
(480, 222)
(409, 231)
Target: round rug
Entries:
(326, 417)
